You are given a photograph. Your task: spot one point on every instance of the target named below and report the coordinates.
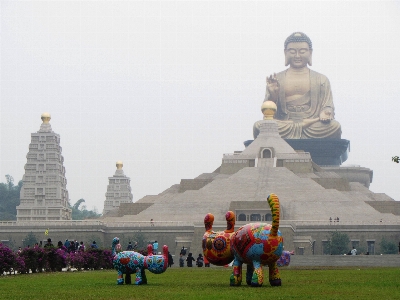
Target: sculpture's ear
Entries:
(149, 250)
(286, 58)
(310, 59)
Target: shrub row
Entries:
(52, 259)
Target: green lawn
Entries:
(207, 283)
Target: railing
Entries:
(53, 223)
(338, 223)
(116, 223)
(148, 223)
(76, 223)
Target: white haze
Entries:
(169, 86)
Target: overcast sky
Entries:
(169, 86)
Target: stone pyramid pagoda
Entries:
(44, 194)
(313, 198)
(118, 190)
(307, 192)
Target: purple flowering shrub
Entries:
(9, 261)
(108, 257)
(93, 258)
(56, 259)
(76, 260)
(53, 259)
(33, 258)
(19, 264)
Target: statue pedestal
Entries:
(324, 152)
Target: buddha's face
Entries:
(297, 55)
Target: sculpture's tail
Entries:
(273, 202)
(115, 242)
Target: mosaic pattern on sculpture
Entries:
(255, 244)
(129, 262)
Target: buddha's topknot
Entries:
(298, 37)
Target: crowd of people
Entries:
(74, 246)
(200, 260)
(68, 246)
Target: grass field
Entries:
(207, 283)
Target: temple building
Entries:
(118, 190)
(314, 200)
(297, 153)
(44, 194)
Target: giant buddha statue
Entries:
(303, 97)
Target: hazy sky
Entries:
(169, 86)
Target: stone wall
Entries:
(231, 166)
(303, 239)
(193, 184)
(392, 260)
(391, 207)
(132, 208)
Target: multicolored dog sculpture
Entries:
(128, 262)
(217, 245)
(255, 244)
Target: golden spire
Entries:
(45, 117)
(119, 165)
(268, 108)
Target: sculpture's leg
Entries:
(258, 276)
(274, 276)
(144, 278)
(249, 273)
(236, 276)
(120, 279)
(128, 279)
(138, 279)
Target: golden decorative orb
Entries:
(45, 117)
(119, 165)
(268, 108)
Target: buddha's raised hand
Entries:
(273, 87)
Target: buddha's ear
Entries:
(286, 58)
(310, 59)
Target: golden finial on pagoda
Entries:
(45, 117)
(119, 165)
(268, 108)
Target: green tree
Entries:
(83, 213)
(141, 239)
(396, 159)
(30, 239)
(97, 239)
(338, 243)
(9, 199)
(137, 236)
(388, 247)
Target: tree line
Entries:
(10, 199)
(338, 244)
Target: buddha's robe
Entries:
(290, 115)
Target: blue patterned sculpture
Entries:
(129, 262)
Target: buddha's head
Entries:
(298, 50)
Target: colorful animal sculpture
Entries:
(129, 262)
(256, 244)
(217, 245)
